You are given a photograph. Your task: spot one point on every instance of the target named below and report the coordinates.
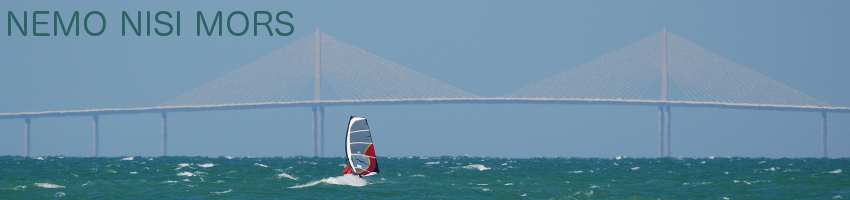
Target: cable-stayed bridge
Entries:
(685, 74)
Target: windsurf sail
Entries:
(359, 148)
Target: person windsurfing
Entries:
(347, 170)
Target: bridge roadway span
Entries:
(497, 100)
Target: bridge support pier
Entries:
(823, 134)
(663, 124)
(313, 136)
(95, 135)
(27, 137)
(660, 131)
(318, 132)
(668, 131)
(321, 131)
(164, 134)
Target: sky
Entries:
(488, 48)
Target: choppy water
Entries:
(423, 177)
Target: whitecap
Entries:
(185, 174)
(284, 175)
(837, 197)
(837, 171)
(417, 175)
(479, 167)
(432, 163)
(20, 187)
(208, 165)
(348, 179)
(618, 157)
(509, 183)
(635, 168)
(169, 181)
(224, 192)
(128, 158)
(261, 165)
(575, 172)
(59, 194)
(39, 158)
(485, 189)
(134, 172)
(228, 157)
(182, 165)
(48, 185)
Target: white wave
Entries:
(20, 187)
(127, 158)
(169, 181)
(837, 197)
(479, 167)
(348, 179)
(284, 175)
(432, 163)
(182, 165)
(509, 183)
(59, 194)
(417, 175)
(48, 185)
(575, 172)
(208, 165)
(837, 171)
(39, 158)
(261, 165)
(185, 174)
(635, 168)
(224, 192)
(134, 172)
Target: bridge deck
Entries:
(497, 100)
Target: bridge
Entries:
(698, 78)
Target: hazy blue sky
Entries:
(484, 47)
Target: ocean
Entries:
(463, 177)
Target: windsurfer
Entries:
(347, 170)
